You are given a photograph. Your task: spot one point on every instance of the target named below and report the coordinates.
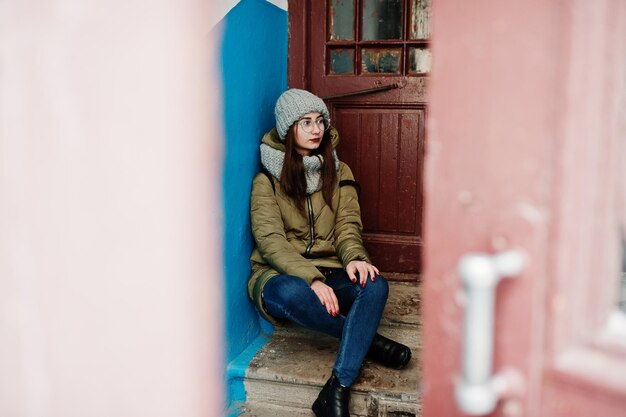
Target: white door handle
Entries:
(478, 391)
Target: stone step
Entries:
(290, 370)
(268, 410)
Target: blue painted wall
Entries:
(254, 74)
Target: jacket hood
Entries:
(272, 139)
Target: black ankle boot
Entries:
(389, 353)
(333, 401)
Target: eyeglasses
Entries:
(308, 125)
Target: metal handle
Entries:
(367, 91)
(478, 391)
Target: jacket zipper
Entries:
(311, 226)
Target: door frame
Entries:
(520, 100)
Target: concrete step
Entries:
(290, 370)
(269, 410)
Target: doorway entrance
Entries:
(370, 61)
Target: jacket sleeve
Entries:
(269, 233)
(348, 226)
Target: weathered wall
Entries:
(254, 73)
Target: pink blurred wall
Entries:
(110, 256)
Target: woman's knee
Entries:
(285, 288)
(378, 289)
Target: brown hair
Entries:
(292, 177)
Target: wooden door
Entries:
(369, 60)
(527, 153)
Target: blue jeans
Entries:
(290, 297)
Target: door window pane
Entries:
(342, 61)
(375, 60)
(382, 19)
(419, 61)
(341, 20)
(420, 19)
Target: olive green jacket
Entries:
(288, 242)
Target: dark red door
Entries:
(527, 154)
(369, 59)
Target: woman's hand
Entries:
(327, 297)
(364, 269)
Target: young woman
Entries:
(309, 265)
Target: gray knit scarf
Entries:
(273, 159)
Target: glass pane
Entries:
(419, 61)
(342, 61)
(341, 20)
(420, 19)
(381, 60)
(382, 19)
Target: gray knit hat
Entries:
(292, 105)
